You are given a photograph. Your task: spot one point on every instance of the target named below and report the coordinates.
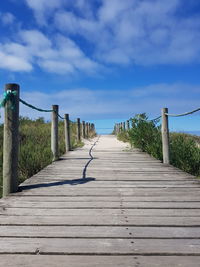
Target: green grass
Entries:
(35, 146)
(184, 148)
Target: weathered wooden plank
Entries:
(131, 184)
(98, 261)
(173, 199)
(100, 232)
(72, 190)
(100, 204)
(100, 212)
(104, 246)
(86, 220)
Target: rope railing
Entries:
(183, 114)
(152, 120)
(33, 107)
(10, 102)
(39, 109)
(122, 127)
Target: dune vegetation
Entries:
(146, 135)
(35, 146)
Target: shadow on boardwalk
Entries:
(69, 182)
(82, 180)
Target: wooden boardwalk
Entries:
(103, 205)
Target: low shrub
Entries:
(146, 135)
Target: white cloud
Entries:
(14, 63)
(105, 104)
(141, 32)
(59, 55)
(43, 8)
(119, 32)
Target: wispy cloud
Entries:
(7, 18)
(58, 55)
(87, 36)
(136, 32)
(102, 104)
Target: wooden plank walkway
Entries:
(103, 205)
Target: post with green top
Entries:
(83, 129)
(67, 132)
(11, 139)
(165, 136)
(78, 130)
(54, 133)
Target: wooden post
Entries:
(67, 132)
(165, 136)
(11, 141)
(54, 133)
(117, 128)
(87, 130)
(78, 130)
(83, 129)
(127, 125)
(124, 126)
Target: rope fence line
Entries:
(183, 114)
(10, 102)
(8, 96)
(39, 109)
(125, 126)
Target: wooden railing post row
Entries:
(54, 132)
(67, 132)
(78, 130)
(11, 141)
(165, 136)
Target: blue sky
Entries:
(104, 60)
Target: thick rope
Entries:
(183, 114)
(156, 119)
(33, 107)
(60, 116)
(38, 109)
